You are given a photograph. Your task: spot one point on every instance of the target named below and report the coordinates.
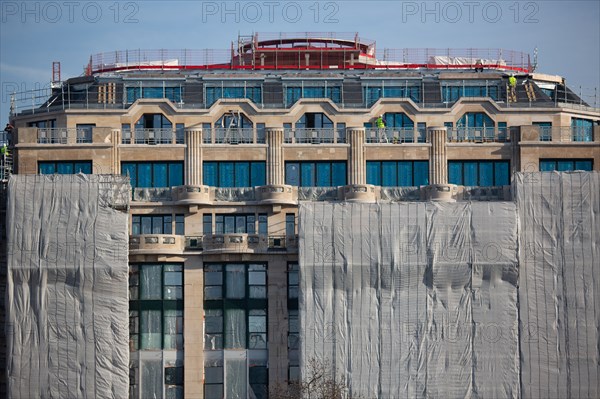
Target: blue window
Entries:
(234, 174)
(479, 173)
(153, 174)
(545, 130)
(235, 223)
(64, 167)
(453, 93)
(252, 92)
(156, 224)
(374, 93)
(294, 93)
(171, 93)
(565, 165)
(398, 120)
(471, 123)
(398, 173)
(315, 174)
(582, 129)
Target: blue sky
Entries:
(33, 34)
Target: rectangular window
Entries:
(293, 283)
(84, 132)
(64, 167)
(174, 382)
(545, 130)
(207, 224)
(453, 93)
(582, 129)
(294, 93)
(315, 174)
(139, 91)
(374, 93)
(234, 174)
(235, 223)
(290, 224)
(157, 224)
(235, 306)
(156, 306)
(398, 173)
(263, 224)
(565, 165)
(244, 90)
(479, 173)
(153, 174)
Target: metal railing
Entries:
(314, 136)
(580, 133)
(84, 136)
(153, 136)
(405, 58)
(55, 135)
(233, 136)
(395, 135)
(566, 133)
(478, 135)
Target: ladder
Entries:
(6, 165)
(231, 135)
(530, 91)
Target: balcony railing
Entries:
(153, 136)
(314, 136)
(55, 135)
(478, 135)
(220, 135)
(395, 135)
(580, 133)
(557, 134)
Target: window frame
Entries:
(137, 305)
(73, 165)
(478, 165)
(125, 165)
(302, 166)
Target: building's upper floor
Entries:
(275, 72)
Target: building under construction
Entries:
(424, 220)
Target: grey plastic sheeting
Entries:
(67, 303)
(424, 298)
(559, 293)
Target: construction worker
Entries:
(380, 128)
(512, 83)
(3, 149)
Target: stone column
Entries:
(438, 157)
(193, 157)
(356, 155)
(275, 164)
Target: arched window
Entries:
(234, 127)
(153, 129)
(475, 126)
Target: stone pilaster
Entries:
(438, 157)
(356, 156)
(275, 163)
(193, 157)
